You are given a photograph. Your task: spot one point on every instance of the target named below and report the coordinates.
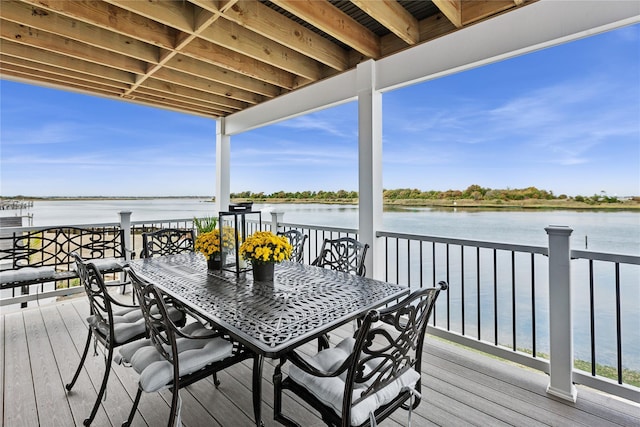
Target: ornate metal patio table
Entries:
(271, 318)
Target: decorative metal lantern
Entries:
(235, 226)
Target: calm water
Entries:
(614, 232)
(617, 232)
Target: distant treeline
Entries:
(473, 192)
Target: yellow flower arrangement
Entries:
(209, 243)
(264, 247)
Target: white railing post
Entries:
(276, 218)
(125, 226)
(560, 314)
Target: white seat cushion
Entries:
(193, 354)
(127, 323)
(27, 274)
(108, 264)
(330, 390)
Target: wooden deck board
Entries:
(42, 347)
(480, 383)
(19, 398)
(81, 399)
(50, 397)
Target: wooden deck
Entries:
(41, 348)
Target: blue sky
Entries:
(564, 119)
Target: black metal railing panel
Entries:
(495, 289)
(606, 290)
(498, 293)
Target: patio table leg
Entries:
(257, 389)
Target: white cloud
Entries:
(48, 133)
(316, 123)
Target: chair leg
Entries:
(277, 393)
(216, 381)
(174, 406)
(133, 409)
(82, 359)
(277, 399)
(103, 387)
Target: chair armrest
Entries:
(181, 333)
(114, 301)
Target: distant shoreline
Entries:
(62, 198)
(528, 204)
(467, 204)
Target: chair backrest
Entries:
(99, 300)
(297, 239)
(160, 329)
(167, 241)
(388, 345)
(344, 254)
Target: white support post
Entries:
(223, 167)
(560, 314)
(370, 165)
(125, 226)
(276, 218)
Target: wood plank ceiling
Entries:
(209, 57)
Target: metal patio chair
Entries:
(167, 241)
(364, 379)
(297, 240)
(344, 254)
(174, 357)
(111, 323)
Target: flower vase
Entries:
(263, 272)
(214, 263)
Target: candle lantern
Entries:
(235, 225)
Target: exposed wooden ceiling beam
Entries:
(155, 88)
(473, 11)
(210, 57)
(61, 80)
(72, 48)
(195, 67)
(173, 104)
(393, 16)
(258, 18)
(182, 40)
(39, 56)
(72, 29)
(187, 92)
(207, 86)
(112, 18)
(452, 9)
(226, 58)
(179, 15)
(244, 41)
(328, 18)
(26, 67)
(430, 28)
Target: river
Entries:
(607, 231)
